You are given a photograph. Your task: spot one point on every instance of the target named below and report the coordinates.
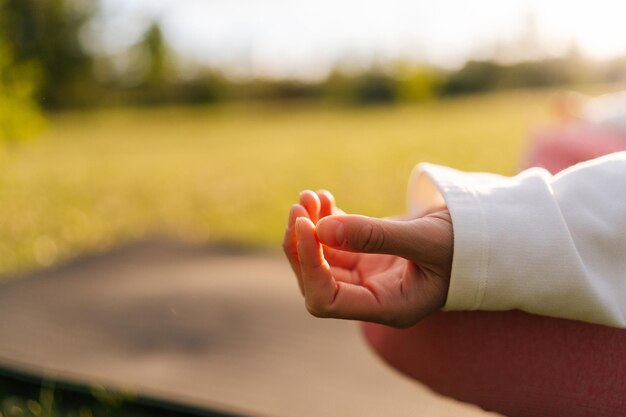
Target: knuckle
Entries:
(371, 237)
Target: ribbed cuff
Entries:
(430, 184)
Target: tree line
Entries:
(44, 65)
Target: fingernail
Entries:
(330, 232)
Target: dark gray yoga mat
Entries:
(200, 327)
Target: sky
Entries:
(306, 38)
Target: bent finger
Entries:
(290, 241)
(327, 203)
(311, 202)
(317, 280)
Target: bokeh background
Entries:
(120, 119)
(203, 120)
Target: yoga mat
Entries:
(203, 327)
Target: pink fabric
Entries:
(558, 148)
(511, 362)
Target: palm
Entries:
(397, 284)
(363, 268)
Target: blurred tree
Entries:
(48, 32)
(375, 87)
(156, 55)
(417, 83)
(208, 88)
(372, 86)
(20, 117)
(475, 76)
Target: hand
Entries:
(393, 272)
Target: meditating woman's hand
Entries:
(393, 272)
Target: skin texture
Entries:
(393, 272)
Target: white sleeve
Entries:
(549, 245)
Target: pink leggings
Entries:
(512, 362)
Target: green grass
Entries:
(231, 173)
(22, 396)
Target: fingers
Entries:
(313, 206)
(311, 202)
(327, 203)
(334, 257)
(319, 204)
(370, 235)
(290, 241)
(318, 282)
(324, 296)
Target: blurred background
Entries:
(203, 120)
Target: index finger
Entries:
(290, 241)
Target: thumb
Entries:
(371, 235)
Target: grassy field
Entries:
(230, 173)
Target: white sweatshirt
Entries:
(550, 245)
